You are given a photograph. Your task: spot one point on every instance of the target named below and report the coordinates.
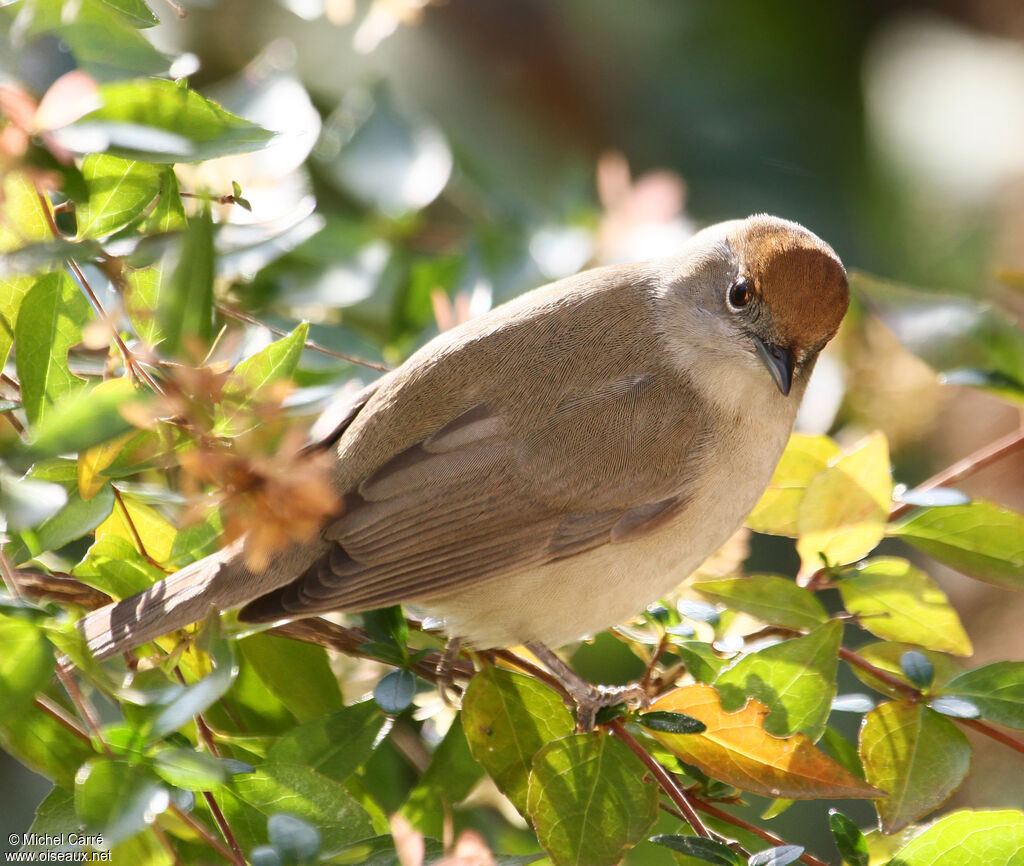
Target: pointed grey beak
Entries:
(779, 361)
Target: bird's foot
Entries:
(450, 695)
(588, 698)
(597, 698)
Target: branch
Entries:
(981, 458)
(225, 310)
(665, 779)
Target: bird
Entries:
(550, 468)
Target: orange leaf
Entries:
(737, 750)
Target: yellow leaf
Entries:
(842, 514)
(22, 219)
(803, 459)
(155, 531)
(736, 749)
(94, 460)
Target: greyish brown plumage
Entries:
(546, 470)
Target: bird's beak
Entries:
(779, 361)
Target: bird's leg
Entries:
(587, 697)
(445, 665)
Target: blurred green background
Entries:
(485, 146)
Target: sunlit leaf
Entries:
(119, 190)
(507, 718)
(896, 601)
(778, 511)
(116, 567)
(774, 600)
(794, 679)
(968, 838)
(139, 522)
(842, 514)
(983, 540)
(590, 800)
(168, 215)
(81, 419)
(886, 656)
(49, 323)
(918, 756)
(162, 121)
(736, 749)
(996, 690)
(184, 307)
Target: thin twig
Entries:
(994, 733)
(981, 458)
(202, 831)
(729, 818)
(664, 778)
(57, 712)
(10, 576)
(659, 651)
(225, 829)
(85, 709)
(165, 843)
(225, 310)
(136, 537)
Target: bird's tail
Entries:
(179, 600)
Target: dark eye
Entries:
(740, 293)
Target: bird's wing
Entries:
(470, 502)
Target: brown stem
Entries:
(981, 458)
(850, 657)
(10, 576)
(225, 829)
(729, 818)
(225, 310)
(664, 778)
(202, 831)
(131, 363)
(994, 733)
(57, 712)
(663, 644)
(60, 588)
(85, 709)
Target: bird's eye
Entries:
(740, 293)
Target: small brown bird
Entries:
(548, 469)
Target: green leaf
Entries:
(997, 690)
(292, 838)
(590, 800)
(45, 745)
(25, 502)
(162, 121)
(780, 855)
(982, 540)
(849, 839)
(251, 381)
(142, 293)
(87, 416)
(184, 309)
(119, 190)
(298, 673)
(700, 659)
(795, 679)
(701, 848)
(778, 511)
(895, 601)
(335, 745)
(843, 751)
(12, 294)
(446, 782)
(189, 769)
(968, 838)
(49, 323)
(251, 710)
(26, 665)
(296, 790)
(114, 566)
(135, 12)
(103, 42)
(75, 519)
(507, 719)
(169, 214)
(671, 723)
(918, 756)
(917, 668)
(947, 332)
(25, 218)
(181, 705)
(774, 600)
(55, 816)
(116, 800)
